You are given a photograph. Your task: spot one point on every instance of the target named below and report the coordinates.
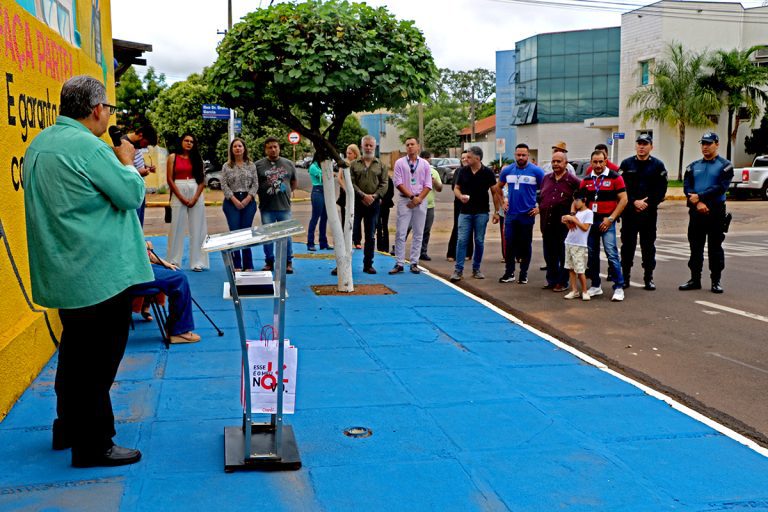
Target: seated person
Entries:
(174, 284)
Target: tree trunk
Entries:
(731, 135)
(681, 131)
(342, 238)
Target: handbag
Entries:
(262, 374)
(168, 211)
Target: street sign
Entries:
(618, 135)
(215, 112)
(609, 141)
(238, 125)
(501, 145)
(294, 138)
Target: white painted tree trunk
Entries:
(342, 238)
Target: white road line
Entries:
(736, 361)
(597, 364)
(732, 310)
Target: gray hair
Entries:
(79, 95)
(368, 137)
(476, 150)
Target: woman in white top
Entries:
(186, 180)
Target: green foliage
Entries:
(677, 97)
(465, 86)
(439, 135)
(178, 109)
(739, 84)
(307, 63)
(757, 143)
(255, 132)
(409, 120)
(486, 109)
(136, 96)
(351, 133)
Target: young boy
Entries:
(576, 251)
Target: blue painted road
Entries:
(469, 411)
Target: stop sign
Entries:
(294, 137)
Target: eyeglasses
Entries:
(112, 108)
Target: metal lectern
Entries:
(269, 445)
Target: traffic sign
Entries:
(501, 145)
(238, 125)
(215, 112)
(618, 135)
(294, 138)
(609, 141)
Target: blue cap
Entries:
(644, 137)
(709, 137)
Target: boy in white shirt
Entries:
(576, 250)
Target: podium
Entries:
(267, 446)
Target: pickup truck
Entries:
(750, 180)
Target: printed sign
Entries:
(215, 112)
(294, 138)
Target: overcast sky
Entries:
(462, 34)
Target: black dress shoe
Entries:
(369, 270)
(716, 288)
(334, 272)
(115, 456)
(649, 285)
(425, 257)
(691, 284)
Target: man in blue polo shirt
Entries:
(523, 179)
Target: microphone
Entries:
(116, 135)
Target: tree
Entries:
(676, 95)
(136, 96)
(474, 87)
(310, 65)
(439, 135)
(255, 131)
(351, 133)
(739, 83)
(757, 143)
(408, 121)
(178, 109)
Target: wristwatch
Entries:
(412, 196)
(611, 219)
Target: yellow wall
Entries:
(35, 60)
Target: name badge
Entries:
(413, 180)
(517, 185)
(594, 207)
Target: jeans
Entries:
(707, 228)
(365, 221)
(643, 224)
(140, 211)
(451, 253)
(175, 285)
(270, 217)
(554, 253)
(318, 213)
(468, 224)
(240, 219)
(611, 252)
(518, 232)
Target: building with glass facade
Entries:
(505, 101)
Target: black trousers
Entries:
(642, 224)
(451, 253)
(365, 219)
(382, 230)
(92, 345)
(553, 243)
(707, 228)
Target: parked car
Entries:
(304, 162)
(751, 180)
(446, 167)
(212, 175)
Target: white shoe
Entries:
(595, 291)
(618, 295)
(573, 294)
(585, 296)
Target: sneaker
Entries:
(267, 268)
(585, 296)
(415, 269)
(559, 288)
(197, 269)
(618, 295)
(523, 279)
(595, 291)
(456, 276)
(289, 268)
(369, 270)
(425, 257)
(396, 269)
(507, 278)
(311, 248)
(477, 274)
(573, 294)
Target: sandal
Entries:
(146, 315)
(187, 337)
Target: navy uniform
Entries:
(643, 179)
(709, 179)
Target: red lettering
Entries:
(29, 54)
(19, 56)
(40, 50)
(8, 38)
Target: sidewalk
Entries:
(469, 411)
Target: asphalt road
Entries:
(708, 351)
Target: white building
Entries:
(645, 35)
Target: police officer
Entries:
(705, 183)
(646, 180)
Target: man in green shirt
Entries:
(86, 248)
(369, 179)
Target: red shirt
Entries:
(603, 189)
(182, 168)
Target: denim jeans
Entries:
(318, 214)
(611, 252)
(175, 285)
(269, 217)
(518, 233)
(240, 219)
(468, 224)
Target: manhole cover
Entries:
(358, 432)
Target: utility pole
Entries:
(231, 127)
(421, 124)
(472, 113)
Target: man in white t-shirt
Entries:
(576, 246)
